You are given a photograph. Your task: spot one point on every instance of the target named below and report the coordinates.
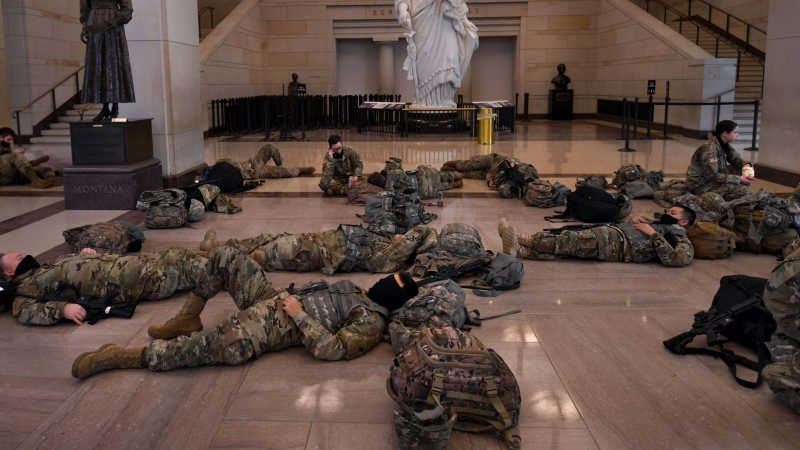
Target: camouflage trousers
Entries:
(728, 191)
(153, 276)
(261, 325)
(474, 168)
(14, 166)
(252, 170)
(337, 185)
(783, 378)
(302, 252)
(434, 182)
(601, 243)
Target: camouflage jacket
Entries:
(710, 165)
(641, 248)
(356, 335)
(782, 293)
(778, 214)
(350, 164)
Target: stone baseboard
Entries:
(777, 176)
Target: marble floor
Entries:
(586, 348)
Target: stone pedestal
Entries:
(114, 187)
(98, 143)
(561, 104)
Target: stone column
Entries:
(386, 66)
(164, 47)
(5, 104)
(466, 85)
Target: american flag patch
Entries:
(713, 159)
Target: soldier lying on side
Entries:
(256, 167)
(637, 241)
(474, 168)
(339, 321)
(347, 249)
(510, 177)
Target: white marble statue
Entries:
(440, 45)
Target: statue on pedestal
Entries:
(440, 44)
(107, 78)
(561, 81)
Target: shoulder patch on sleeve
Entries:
(713, 159)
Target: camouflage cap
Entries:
(710, 201)
(414, 433)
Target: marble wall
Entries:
(780, 124)
(5, 104)
(43, 47)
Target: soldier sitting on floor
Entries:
(256, 168)
(636, 241)
(15, 167)
(349, 248)
(335, 322)
(146, 276)
(341, 163)
(716, 167)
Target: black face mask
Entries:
(388, 293)
(5, 145)
(28, 263)
(666, 219)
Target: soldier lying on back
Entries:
(637, 241)
(347, 249)
(145, 276)
(427, 180)
(337, 321)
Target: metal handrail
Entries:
(710, 6)
(757, 58)
(200, 13)
(52, 92)
(718, 95)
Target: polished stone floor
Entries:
(586, 348)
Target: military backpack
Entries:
(590, 205)
(637, 189)
(451, 369)
(461, 240)
(759, 214)
(711, 241)
(103, 237)
(595, 181)
(166, 216)
(503, 274)
(389, 213)
(360, 190)
(439, 304)
(227, 177)
(543, 194)
(668, 190)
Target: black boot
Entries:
(114, 111)
(105, 113)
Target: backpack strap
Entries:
(489, 291)
(474, 317)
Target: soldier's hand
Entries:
(746, 180)
(645, 228)
(492, 185)
(292, 306)
(75, 313)
(330, 153)
(639, 219)
(88, 251)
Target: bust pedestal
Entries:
(112, 165)
(561, 104)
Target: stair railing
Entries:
(203, 10)
(52, 92)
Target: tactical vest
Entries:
(357, 240)
(642, 249)
(331, 305)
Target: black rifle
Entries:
(453, 273)
(712, 323)
(513, 175)
(307, 288)
(247, 186)
(97, 308)
(583, 226)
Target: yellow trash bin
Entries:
(486, 126)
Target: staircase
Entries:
(56, 141)
(748, 86)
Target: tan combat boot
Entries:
(525, 246)
(184, 324)
(510, 242)
(210, 241)
(307, 170)
(458, 184)
(502, 226)
(108, 357)
(38, 183)
(329, 192)
(259, 256)
(41, 160)
(457, 176)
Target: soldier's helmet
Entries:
(394, 163)
(196, 210)
(414, 433)
(625, 205)
(626, 173)
(710, 201)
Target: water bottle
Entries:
(441, 202)
(206, 171)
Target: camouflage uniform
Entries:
(13, 166)
(622, 243)
(781, 298)
(504, 186)
(326, 251)
(256, 167)
(337, 172)
(475, 168)
(345, 328)
(713, 169)
(148, 276)
(429, 180)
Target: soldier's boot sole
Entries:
(107, 357)
(185, 323)
(307, 170)
(209, 241)
(329, 192)
(259, 256)
(510, 242)
(41, 160)
(502, 226)
(39, 183)
(458, 184)
(457, 176)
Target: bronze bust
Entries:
(561, 81)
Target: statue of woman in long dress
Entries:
(107, 78)
(440, 44)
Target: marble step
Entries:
(91, 112)
(59, 126)
(56, 132)
(69, 119)
(60, 153)
(59, 139)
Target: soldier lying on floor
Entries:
(510, 177)
(146, 276)
(636, 241)
(15, 167)
(256, 167)
(337, 321)
(348, 248)
(474, 168)
(427, 180)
